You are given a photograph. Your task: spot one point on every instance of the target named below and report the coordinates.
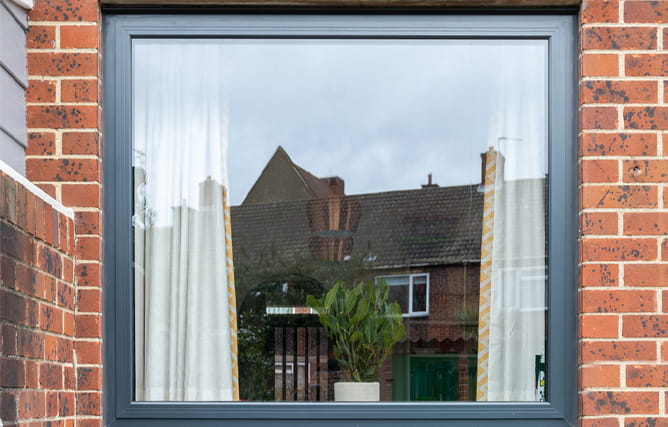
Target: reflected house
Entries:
(424, 242)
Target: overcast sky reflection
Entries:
(381, 114)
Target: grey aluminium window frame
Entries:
(557, 28)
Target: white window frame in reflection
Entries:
(410, 281)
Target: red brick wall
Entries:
(624, 270)
(64, 159)
(38, 366)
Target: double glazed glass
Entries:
(270, 170)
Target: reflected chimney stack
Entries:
(429, 183)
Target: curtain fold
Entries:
(185, 314)
(513, 269)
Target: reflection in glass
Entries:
(421, 163)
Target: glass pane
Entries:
(277, 181)
(419, 297)
(400, 295)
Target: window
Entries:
(260, 167)
(411, 291)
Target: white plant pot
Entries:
(356, 392)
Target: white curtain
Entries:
(513, 264)
(185, 319)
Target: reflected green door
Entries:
(431, 378)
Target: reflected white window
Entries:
(411, 291)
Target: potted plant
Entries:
(364, 326)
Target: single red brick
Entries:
(50, 376)
(88, 274)
(12, 373)
(599, 326)
(664, 248)
(52, 404)
(88, 326)
(50, 289)
(645, 170)
(81, 195)
(32, 404)
(51, 347)
(68, 378)
(664, 351)
(89, 301)
(646, 223)
(41, 37)
(70, 11)
(68, 270)
(599, 11)
(32, 374)
(619, 402)
(599, 376)
(89, 403)
(609, 91)
(27, 279)
(86, 143)
(646, 117)
(68, 324)
(617, 301)
(618, 38)
(645, 64)
(79, 90)
(88, 352)
(41, 144)
(89, 378)
(619, 196)
(598, 223)
(599, 170)
(13, 307)
(621, 249)
(66, 295)
(89, 248)
(32, 226)
(41, 91)
(600, 65)
(79, 36)
(63, 116)
(66, 402)
(598, 118)
(8, 336)
(8, 406)
(645, 422)
(21, 207)
(599, 422)
(653, 12)
(88, 223)
(64, 169)
(600, 351)
(63, 64)
(646, 275)
(645, 326)
(646, 375)
(51, 319)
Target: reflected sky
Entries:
(381, 114)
